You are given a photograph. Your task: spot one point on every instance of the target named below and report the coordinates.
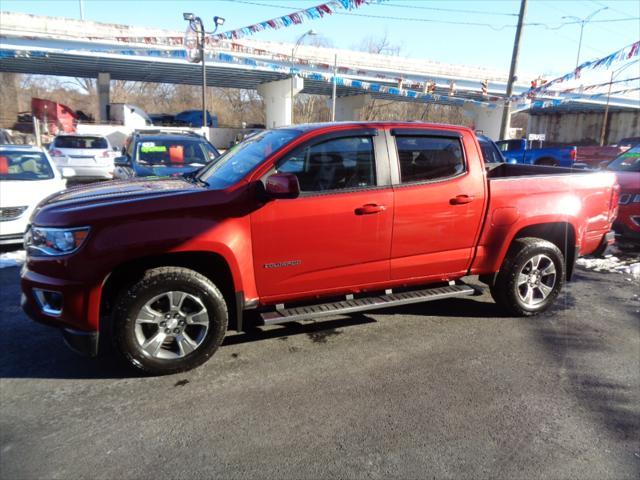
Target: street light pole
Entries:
(197, 25)
(506, 111)
(583, 22)
(293, 54)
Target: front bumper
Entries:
(626, 229)
(11, 239)
(73, 314)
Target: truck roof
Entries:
(314, 126)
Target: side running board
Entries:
(351, 305)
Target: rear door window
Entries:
(425, 158)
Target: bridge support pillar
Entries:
(350, 108)
(485, 119)
(278, 100)
(104, 87)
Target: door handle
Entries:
(369, 209)
(461, 199)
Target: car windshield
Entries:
(171, 152)
(244, 157)
(17, 165)
(629, 161)
(80, 142)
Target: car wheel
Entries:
(530, 278)
(170, 321)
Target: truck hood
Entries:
(107, 192)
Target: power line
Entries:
(439, 9)
(445, 22)
(609, 7)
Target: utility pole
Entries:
(506, 112)
(333, 91)
(603, 131)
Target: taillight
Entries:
(56, 153)
(573, 154)
(613, 206)
(105, 154)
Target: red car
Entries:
(627, 169)
(304, 222)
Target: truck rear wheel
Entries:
(530, 278)
(170, 321)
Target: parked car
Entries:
(628, 142)
(163, 154)
(164, 119)
(91, 156)
(301, 223)
(490, 151)
(596, 156)
(27, 176)
(523, 151)
(627, 169)
(193, 118)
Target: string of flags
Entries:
(623, 54)
(297, 17)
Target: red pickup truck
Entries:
(304, 222)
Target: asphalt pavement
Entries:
(451, 389)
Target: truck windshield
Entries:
(174, 152)
(235, 163)
(17, 165)
(629, 161)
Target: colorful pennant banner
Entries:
(623, 54)
(296, 18)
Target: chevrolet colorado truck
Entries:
(300, 223)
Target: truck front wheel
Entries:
(170, 321)
(530, 278)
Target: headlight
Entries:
(48, 242)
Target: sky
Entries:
(435, 30)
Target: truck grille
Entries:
(11, 213)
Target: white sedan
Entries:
(27, 176)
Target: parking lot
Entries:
(450, 389)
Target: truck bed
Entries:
(506, 170)
(522, 196)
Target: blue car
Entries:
(163, 154)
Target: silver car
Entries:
(91, 156)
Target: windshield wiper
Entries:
(191, 177)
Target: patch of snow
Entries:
(612, 264)
(12, 259)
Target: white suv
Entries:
(91, 156)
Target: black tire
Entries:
(155, 283)
(507, 290)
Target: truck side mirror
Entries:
(282, 185)
(122, 161)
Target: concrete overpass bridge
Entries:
(59, 46)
